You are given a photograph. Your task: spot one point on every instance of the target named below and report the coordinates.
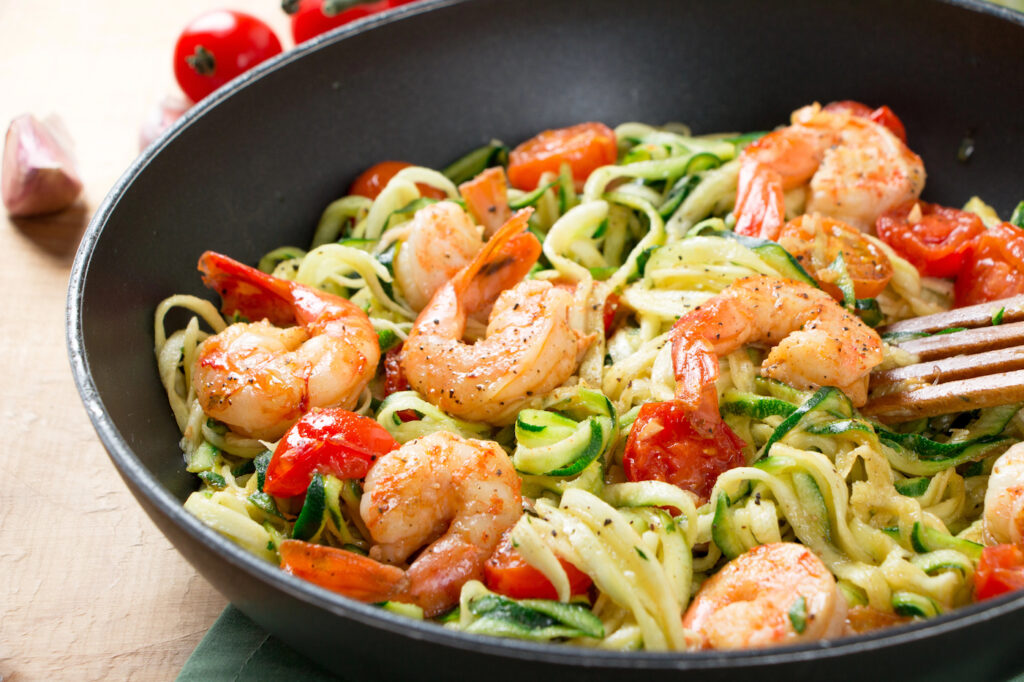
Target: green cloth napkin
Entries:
(236, 648)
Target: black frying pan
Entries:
(252, 168)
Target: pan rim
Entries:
(143, 483)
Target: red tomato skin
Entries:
(375, 178)
(883, 116)
(237, 41)
(584, 146)
(994, 268)
(938, 244)
(328, 440)
(1000, 570)
(507, 573)
(309, 20)
(665, 444)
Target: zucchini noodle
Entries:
(894, 513)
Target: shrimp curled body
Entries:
(772, 595)
(438, 242)
(1004, 499)
(855, 169)
(454, 495)
(259, 378)
(529, 347)
(815, 341)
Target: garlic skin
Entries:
(161, 117)
(38, 174)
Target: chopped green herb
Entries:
(997, 319)
(798, 615)
(213, 480)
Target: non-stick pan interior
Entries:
(251, 170)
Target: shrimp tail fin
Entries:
(347, 573)
(696, 370)
(760, 206)
(505, 259)
(248, 291)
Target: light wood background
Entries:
(90, 590)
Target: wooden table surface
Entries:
(92, 590)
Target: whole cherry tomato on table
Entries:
(329, 440)
(310, 18)
(938, 240)
(218, 46)
(994, 267)
(665, 445)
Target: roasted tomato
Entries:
(218, 46)
(883, 115)
(1000, 570)
(507, 573)
(935, 239)
(585, 147)
(994, 268)
(371, 181)
(329, 440)
(867, 265)
(666, 445)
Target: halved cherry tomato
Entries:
(310, 18)
(665, 445)
(507, 573)
(883, 115)
(218, 46)
(1000, 570)
(994, 268)
(938, 243)
(375, 178)
(330, 441)
(339, 570)
(584, 146)
(867, 265)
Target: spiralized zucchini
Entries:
(882, 508)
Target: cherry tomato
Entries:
(310, 18)
(665, 445)
(883, 115)
(585, 147)
(994, 268)
(938, 243)
(339, 570)
(331, 441)
(1000, 570)
(867, 265)
(375, 178)
(507, 573)
(610, 312)
(218, 46)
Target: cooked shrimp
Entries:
(816, 342)
(773, 595)
(259, 378)
(456, 494)
(438, 242)
(529, 347)
(1004, 499)
(856, 168)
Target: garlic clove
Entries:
(161, 117)
(38, 173)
